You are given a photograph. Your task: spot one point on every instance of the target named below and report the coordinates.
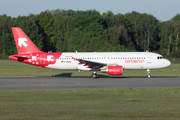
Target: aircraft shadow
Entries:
(70, 75)
(106, 76)
(64, 75)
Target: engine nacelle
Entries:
(113, 70)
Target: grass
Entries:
(103, 104)
(100, 104)
(14, 68)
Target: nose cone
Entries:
(168, 63)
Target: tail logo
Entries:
(21, 42)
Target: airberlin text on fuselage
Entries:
(134, 61)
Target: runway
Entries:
(75, 83)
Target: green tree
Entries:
(62, 30)
(82, 19)
(144, 30)
(45, 22)
(133, 19)
(165, 35)
(63, 13)
(148, 32)
(112, 38)
(109, 19)
(74, 41)
(176, 25)
(6, 42)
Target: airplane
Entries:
(112, 63)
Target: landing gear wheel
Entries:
(148, 73)
(94, 75)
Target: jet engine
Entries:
(113, 70)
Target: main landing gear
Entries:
(148, 73)
(94, 75)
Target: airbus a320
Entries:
(112, 63)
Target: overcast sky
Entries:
(162, 9)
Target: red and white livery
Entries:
(112, 63)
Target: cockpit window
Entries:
(160, 57)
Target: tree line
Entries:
(89, 31)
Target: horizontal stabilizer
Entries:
(19, 57)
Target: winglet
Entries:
(23, 44)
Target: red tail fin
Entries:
(23, 44)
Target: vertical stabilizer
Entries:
(23, 44)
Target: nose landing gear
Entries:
(148, 73)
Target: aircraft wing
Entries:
(90, 63)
